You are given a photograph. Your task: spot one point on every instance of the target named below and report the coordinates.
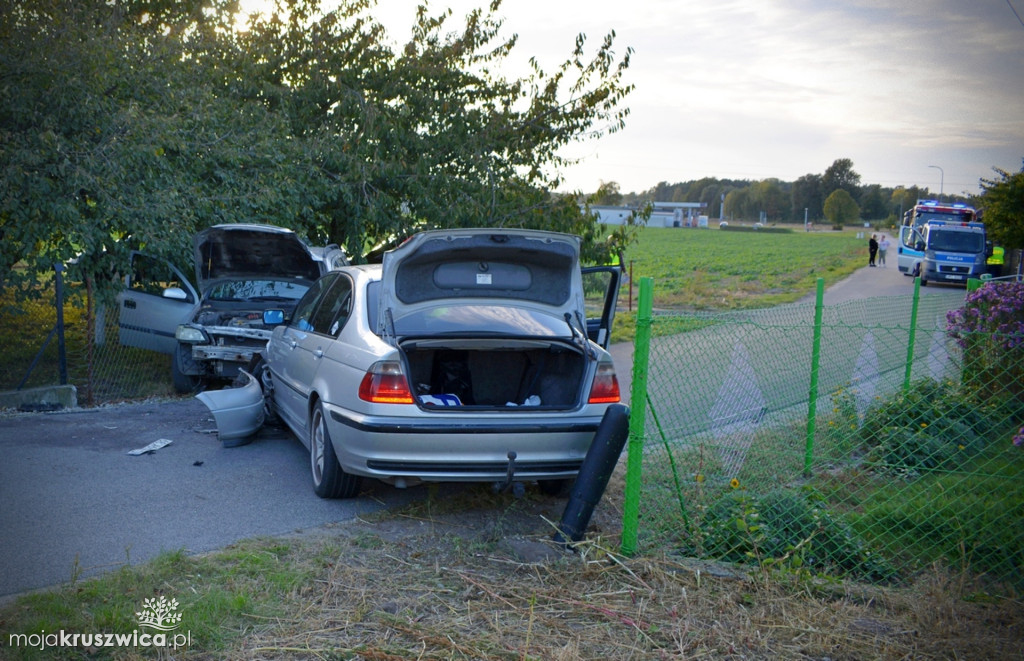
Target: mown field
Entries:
(715, 269)
(711, 269)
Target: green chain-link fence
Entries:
(102, 370)
(865, 440)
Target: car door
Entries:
(601, 294)
(295, 355)
(157, 297)
(908, 254)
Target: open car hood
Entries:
(266, 251)
(445, 275)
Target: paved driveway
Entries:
(75, 503)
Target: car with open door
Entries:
(466, 355)
(210, 331)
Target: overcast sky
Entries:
(752, 89)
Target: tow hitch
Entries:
(518, 489)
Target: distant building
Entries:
(665, 214)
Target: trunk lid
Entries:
(500, 281)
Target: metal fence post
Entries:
(637, 418)
(912, 336)
(812, 404)
(62, 354)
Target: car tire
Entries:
(329, 479)
(183, 383)
(261, 372)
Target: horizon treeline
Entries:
(780, 201)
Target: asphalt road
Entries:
(74, 503)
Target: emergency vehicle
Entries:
(942, 242)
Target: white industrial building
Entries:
(664, 214)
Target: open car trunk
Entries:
(495, 373)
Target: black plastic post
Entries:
(594, 474)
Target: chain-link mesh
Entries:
(101, 369)
(888, 449)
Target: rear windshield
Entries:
(512, 270)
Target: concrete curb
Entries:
(40, 399)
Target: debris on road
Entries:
(152, 447)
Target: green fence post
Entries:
(913, 335)
(812, 396)
(637, 418)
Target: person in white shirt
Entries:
(883, 245)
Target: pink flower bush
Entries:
(995, 309)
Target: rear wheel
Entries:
(329, 479)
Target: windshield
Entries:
(954, 241)
(257, 290)
(960, 216)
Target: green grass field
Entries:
(708, 269)
(712, 269)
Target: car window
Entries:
(257, 290)
(333, 308)
(302, 318)
(151, 276)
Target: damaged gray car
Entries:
(467, 355)
(241, 270)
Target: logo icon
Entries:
(159, 613)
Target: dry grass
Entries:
(482, 580)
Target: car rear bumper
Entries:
(544, 447)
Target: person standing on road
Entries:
(872, 250)
(883, 246)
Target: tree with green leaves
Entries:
(806, 195)
(840, 176)
(841, 208)
(131, 124)
(1003, 202)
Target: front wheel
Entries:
(181, 358)
(329, 479)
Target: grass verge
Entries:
(475, 576)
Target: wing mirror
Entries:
(175, 293)
(273, 317)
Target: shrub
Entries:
(789, 528)
(990, 330)
(933, 425)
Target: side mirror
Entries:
(273, 317)
(175, 293)
(988, 249)
(919, 246)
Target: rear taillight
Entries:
(605, 389)
(385, 383)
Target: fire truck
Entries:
(941, 242)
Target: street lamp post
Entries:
(942, 178)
